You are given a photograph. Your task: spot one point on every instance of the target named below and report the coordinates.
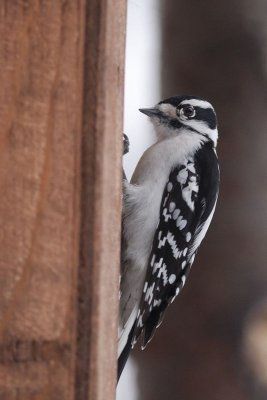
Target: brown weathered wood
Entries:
(60, 113)
(101, 202)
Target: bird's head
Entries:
(184, 113)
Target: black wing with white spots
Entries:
(186, 210)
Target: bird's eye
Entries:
(187, 112)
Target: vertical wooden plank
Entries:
(52, 149)
(101, 200)
(41, 64)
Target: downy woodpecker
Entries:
(167, 209)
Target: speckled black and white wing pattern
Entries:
(186, 211)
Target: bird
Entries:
(167, 208)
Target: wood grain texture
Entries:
(101, 201)
(56, 138)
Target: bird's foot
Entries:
(126, 144)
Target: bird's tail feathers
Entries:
(125, 353)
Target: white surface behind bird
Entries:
(142, 77)
(142, 89)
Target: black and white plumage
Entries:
(167, 209)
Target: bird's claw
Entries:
(126, 144)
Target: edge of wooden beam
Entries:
(98, 274)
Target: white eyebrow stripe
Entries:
(198, 103)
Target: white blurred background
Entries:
(142, 75)
(142, 89)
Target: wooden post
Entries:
(61, 68)
(100, 233)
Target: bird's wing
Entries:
(186, 210)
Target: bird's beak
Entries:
(151, 112)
